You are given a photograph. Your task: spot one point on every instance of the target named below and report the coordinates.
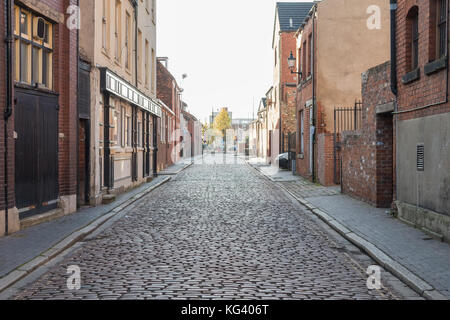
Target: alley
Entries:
(214, 231)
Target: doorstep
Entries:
(41, 218)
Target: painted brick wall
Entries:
(367, 154)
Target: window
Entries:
(139, 55)
(139, 134)
(116, 119)
(276, 56)
(121, 131)
(146, 57)
(153, 9)
(127, 40)
(304, 60)
(441, 28)
(412, 38)
(310, 55)
(128, 130)
(105, 33)
(301, 127)
(117, 31)
(33, 54)
(153, 70)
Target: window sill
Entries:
(435, 66)
(27, 86)
(411, 76)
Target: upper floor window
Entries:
(105, 25)
(412, 38)
(153, 9)
(127, 40)
(117, 30)
(310, 54)
(441, 28)
(276, 56)
(33, 49)
(304, 60)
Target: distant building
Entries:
(281, 114)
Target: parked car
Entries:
(283, 160)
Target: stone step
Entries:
(108, 198)
(41, 218)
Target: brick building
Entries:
(281, 112)
(335, 43)
(422, 114)
(169, 93)
(42, 128)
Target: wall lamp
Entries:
(291, 63)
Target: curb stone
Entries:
(25, 269)
(417, 284)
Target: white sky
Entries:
(225, 47)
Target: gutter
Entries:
(9, 99)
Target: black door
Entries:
(36, 152)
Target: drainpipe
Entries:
(393, 47)
(394, 77)
(9, 98)
(313, 74)
(136, 43)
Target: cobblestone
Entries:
(214, 231)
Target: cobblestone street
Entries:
(215, 231)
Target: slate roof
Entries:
(297, 11)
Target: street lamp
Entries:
(291, 63)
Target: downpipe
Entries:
(9, 100)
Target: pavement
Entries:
(412, 255)
(26, 250)
(217, 230)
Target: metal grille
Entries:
(345, 119)
(421, 157)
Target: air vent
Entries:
(420, 157)
(39, 28)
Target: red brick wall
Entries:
(288, 93)
(9, 124)
(65, 73)
(367, 154)
(429, 89)
(325, 159)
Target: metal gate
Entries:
(36, 152)
(288, 145)
(345, 119)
